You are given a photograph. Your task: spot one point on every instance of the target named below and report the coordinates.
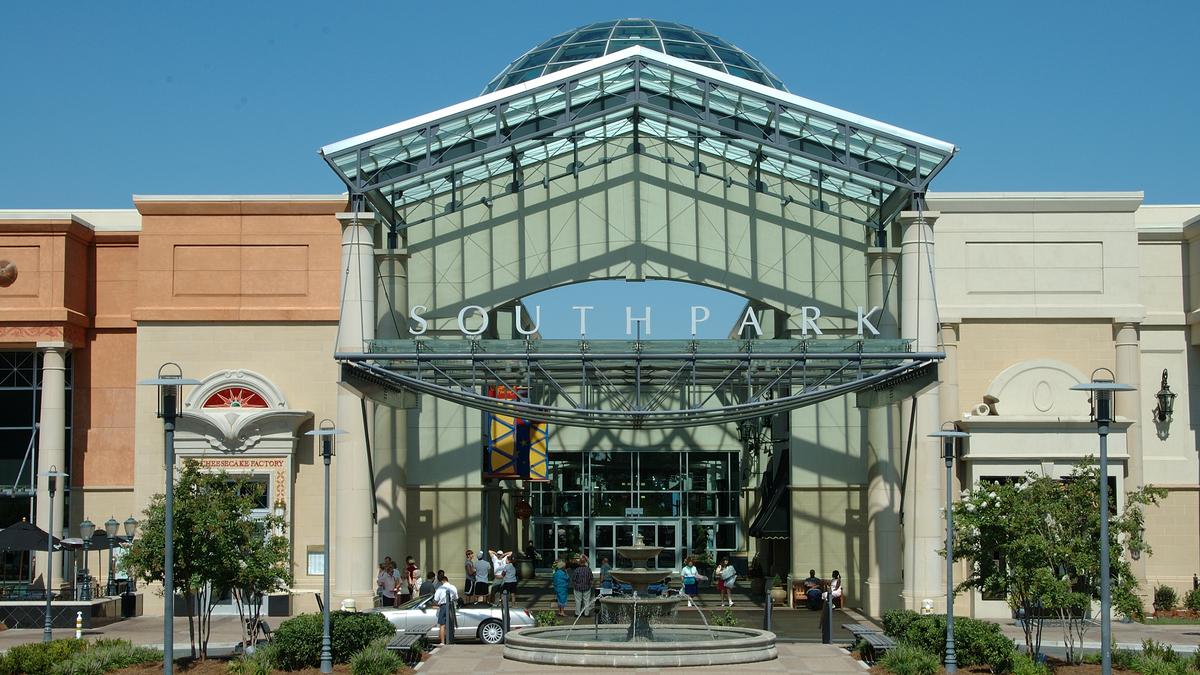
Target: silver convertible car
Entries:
(481, 621)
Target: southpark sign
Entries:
(474, 320)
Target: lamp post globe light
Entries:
(325, 431)
(110, 528)
(86, 529)
(52, 477)
(951, 440)
(170, 382)
(1103, 401)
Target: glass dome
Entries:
(597, 39)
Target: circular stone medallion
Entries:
(8, 273)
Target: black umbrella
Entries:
(25, 537)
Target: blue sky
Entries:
(102, 100)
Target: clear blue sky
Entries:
(102, 100)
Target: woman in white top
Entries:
(726, 581)
(835, 589)
(689, 575)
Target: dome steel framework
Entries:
(597, 39)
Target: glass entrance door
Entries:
(608, 535)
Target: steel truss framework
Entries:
(636, 385)
(639, 94)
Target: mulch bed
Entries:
(1176, 614)
(1059, 668)
(217, 667)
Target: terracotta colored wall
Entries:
(48, 300)
(105, 388)
(238, 261)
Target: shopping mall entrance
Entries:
(596, 501)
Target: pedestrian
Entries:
(581, 583)
(444, 598)
(408, 582)
(479, 587)
(690, 577)
(835, 589)
(505, 573)
(387, 582)
(469, 571)
(428, 586)
(562, 584)
(606, 582)
(726, 581)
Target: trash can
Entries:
(129, 605)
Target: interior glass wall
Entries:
(594, 502)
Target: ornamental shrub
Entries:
(375, 659)
(1165, 598)
(38, 658)
(1023, 665)
(976, 642)
(298, 640)
(261, 661)
(1191, 600)
(105, 656)
(896, 621)
(908, 659)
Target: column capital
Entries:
(54, 345)
(907, 217)
(356, 218)
(876, 251)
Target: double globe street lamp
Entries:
(951, 443)
(86, 529)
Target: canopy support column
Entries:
(884, 454)
(353, 547)
(924, 576)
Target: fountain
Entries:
(642, 642)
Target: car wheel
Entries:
(491, 632)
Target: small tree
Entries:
(1034, 541)
(219, 548)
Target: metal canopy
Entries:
(632, 384)
(645, 96)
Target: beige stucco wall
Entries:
(294, 357)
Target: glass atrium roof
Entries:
(597, 39)
(448, 159)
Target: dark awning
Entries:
(772, 521)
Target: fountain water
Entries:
(643, 641)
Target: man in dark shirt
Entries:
(581, 583)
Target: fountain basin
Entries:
(608, 645)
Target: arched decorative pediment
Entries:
(239, 411)
(1038, 388)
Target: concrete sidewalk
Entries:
(143, 630)
(802, 659)
(1182, 637)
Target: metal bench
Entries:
(859, 629)
(404, 643)
(877, 644)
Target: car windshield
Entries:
(411, 604)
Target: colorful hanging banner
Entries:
(515, 448)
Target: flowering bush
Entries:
(1033, 541)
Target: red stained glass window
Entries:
(235, 397)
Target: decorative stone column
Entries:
(353, 543)
(884, 453)
(1128, 406)
(392, 420)
(52, 440)
(924, 529)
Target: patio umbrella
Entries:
(25, 537)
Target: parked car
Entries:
(482, 621)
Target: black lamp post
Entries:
(52, 477)
(110, 528)
(950, 444)
(170, 385)
(131, 526)
(1103, 401)
(86, 529)
(326, 431)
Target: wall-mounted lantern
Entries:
(1166, 401)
